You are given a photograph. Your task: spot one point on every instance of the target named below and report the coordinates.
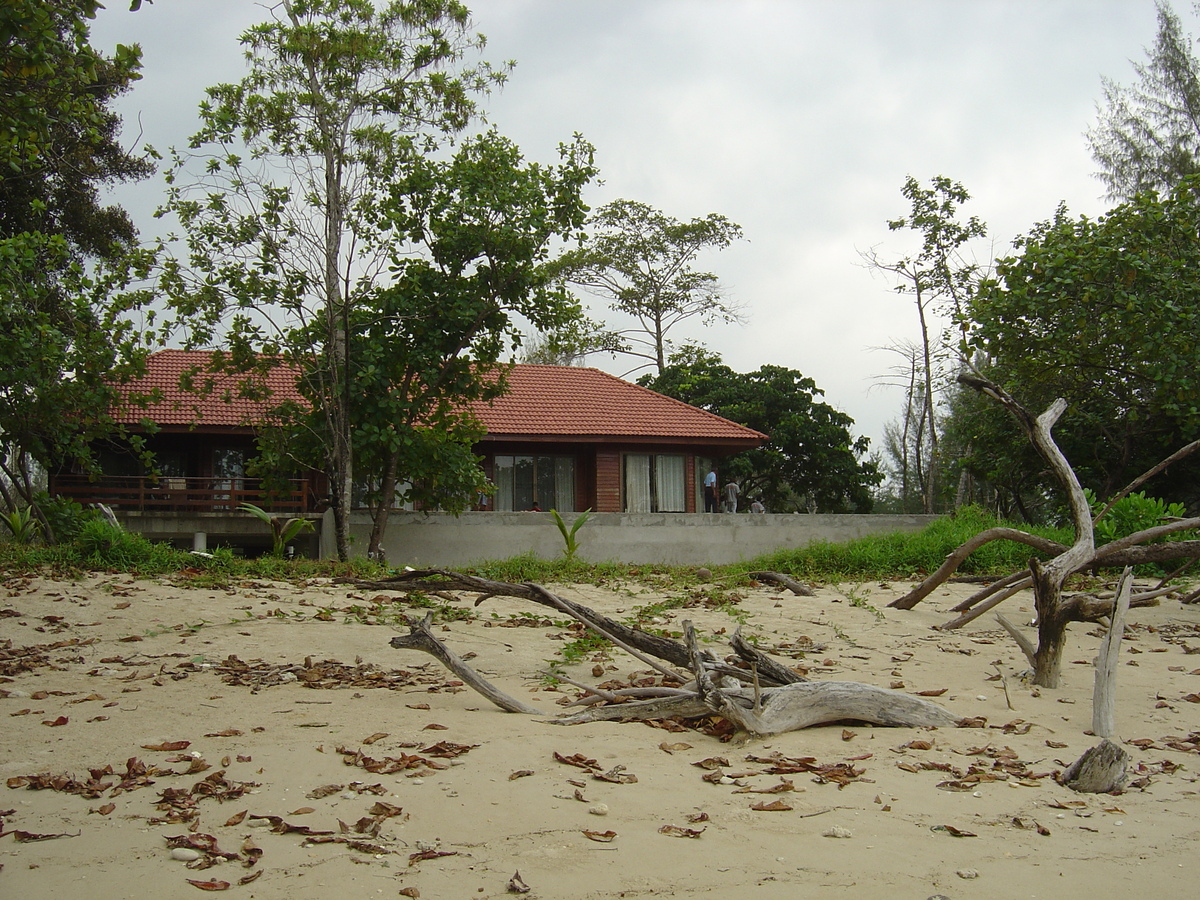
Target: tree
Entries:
(811, 457)
(1148, 135)
(286, 240)
(640, 260)
(65, 259)
(1104, 313)
(938, 278)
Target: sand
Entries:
(268, 723)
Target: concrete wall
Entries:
(439, 540)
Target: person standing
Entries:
(710, 491)
(731, 496)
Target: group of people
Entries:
(731, 492)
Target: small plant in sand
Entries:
(570, 541)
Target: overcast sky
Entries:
(797, 119)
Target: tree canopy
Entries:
(330, 226)
(641, 261)
(1148, 134)
(65, 258)
(1103, 313)
(812, 461)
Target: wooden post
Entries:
(1104, 695)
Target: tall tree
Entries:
(939, 278)
(65, 258)
(1148, 134)
(285, 239)
(640, 260)
(812, 459)
(1104, 313)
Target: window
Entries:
(654, 483)
(522, 481)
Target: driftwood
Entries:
(798, 588)
(1104, 695)
(1054, 612)
(776, 700)
(1100, 770)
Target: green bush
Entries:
(100, 545)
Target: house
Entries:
(563, 437)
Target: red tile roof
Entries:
(543, 402)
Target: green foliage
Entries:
(811, 454)
(1148, 136)
(907, 554)
(100, 545)
(640, 260)
(1133, 513)
(21, 524)
(385, 269)
(570, 542)
(65, 257)
(284, 529)
(1103, 313)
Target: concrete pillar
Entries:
(200, 541)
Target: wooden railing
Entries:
(175, 494)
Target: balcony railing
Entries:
(175, 494)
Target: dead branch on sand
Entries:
(776, 699)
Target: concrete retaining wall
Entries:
(420, 540)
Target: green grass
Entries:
(877, 558)
(906, 555)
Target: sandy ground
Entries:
(270, 730)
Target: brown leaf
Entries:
(29, 837)
(615, 775)
(676, 831)
(236, 819)
(54, 723)
(713, 762)
(520, 773)
(578, 760)
(936, 692)
(131, 639)
(848, 735)
(603, 837)
(106, 809)
(228, 732)
(429, 854)
(956, 832)
(773, 806)
(417, 706)
(246, 879)
(210, 885)
(410, 892)
(169, 747)
(379, 736)
(323, 791)
(302, 811)
(672, 748)
(434, 726)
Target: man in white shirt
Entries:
(710, 491)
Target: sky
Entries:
(797, 119)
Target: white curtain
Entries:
(502, 473)
(564, 484)
(668, 474)
(637, 483)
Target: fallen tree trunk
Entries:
(756, 709)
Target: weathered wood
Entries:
(760, 711)
(1104, 693)
(1023, 642)
(421, 638)
(796, 587)
(956, 558)
(768, 669)
(1100, 770)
